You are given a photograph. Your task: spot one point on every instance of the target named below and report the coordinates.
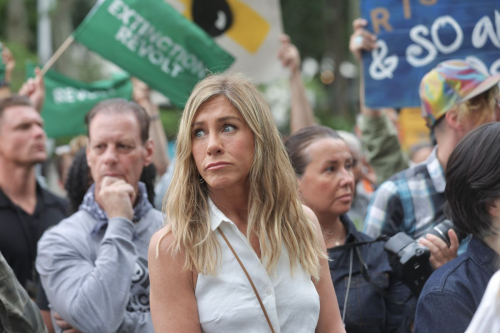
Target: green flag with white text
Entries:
(154, 42)
(67, 101)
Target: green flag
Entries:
(67, 101)
(2, 71)
(2, 65)
(154, 42)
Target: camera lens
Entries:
(441, 231)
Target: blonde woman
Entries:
(239, 253)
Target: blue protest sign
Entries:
(416, 35)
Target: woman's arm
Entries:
(329, 314)
(172, 298)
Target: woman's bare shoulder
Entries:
(312, 217)
(310, 214)
(167, 262)
(161, 243)
(162, 251)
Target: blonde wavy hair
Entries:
(482, 104)
(275, 212)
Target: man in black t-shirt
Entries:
(26, 209)
(20, 231)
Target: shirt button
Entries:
(269, 291)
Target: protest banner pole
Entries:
(58, 54)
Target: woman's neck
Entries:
(493, 241)
(334, 231)
(233, 203)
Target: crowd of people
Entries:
(245, 230)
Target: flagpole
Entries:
(58, 54)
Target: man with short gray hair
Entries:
(93, 265)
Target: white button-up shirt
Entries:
(227, 302)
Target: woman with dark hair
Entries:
(453, 293)
(79, 180)
(323, 166)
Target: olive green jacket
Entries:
(18, 313)
(381, 144)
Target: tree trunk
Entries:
(17, 29)
(62, 28)
(337, 34)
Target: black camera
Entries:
(410, 260)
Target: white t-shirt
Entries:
(487, 317)
(227, 302)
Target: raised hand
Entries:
(9, 61)
(289, 55)
(361, 39)
(34, 89)
(140, 92)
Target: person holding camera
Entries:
(370, 295)
(456, 97)
(453, 293)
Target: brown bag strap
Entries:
(249, 279)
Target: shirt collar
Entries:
(483, 255)
(47, 200)
(4, 200)
(216, 216)
(351, 231)
(436, 171)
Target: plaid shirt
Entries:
(18, 313)
(410, 201)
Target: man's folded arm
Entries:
(90, 295)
